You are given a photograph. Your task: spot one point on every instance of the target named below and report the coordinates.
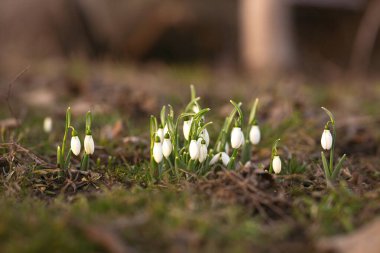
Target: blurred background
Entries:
(76, 48)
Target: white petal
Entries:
(194, 150)
(186, 128)
(75, 145)
(215, 159)
(160, 133)
(255, 135)
(276, 164)
(237, 137)
(326, 140)
(225, 158)
(89, 146)
(167, 147)
(205, 136)
(166, 129)
(157, 152)
(202, 153)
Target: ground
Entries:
(118, 206)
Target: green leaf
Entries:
(338, 167)
(252, 115)
(162, 116)
(325, 166)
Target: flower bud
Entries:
(326, 139)
(276, 164)
(89, 145)
(157, 151)
(194, 150)
(167, 147)
(186, 128)
(204, 134)
(48, 124)
(237, 137)
(255, 135)
(75, 145)
(202, 152)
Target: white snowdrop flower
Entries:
(237, 137)
(215, 159)
(194, 150)
(75, 145)
(167, 146)
(186, 128)
(225, 158)
(202, 152)
(204, 134)
(160, 134)
(326, 139)
(276, 164)
(221, 156)
(157, 151)
(89, 145)
(48, 124)
(255, 135)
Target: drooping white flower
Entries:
(89, 146)
(202, 152)
(237, 137)
(167, 147)
(326, 139)
(157, 151)
(255, 135)
(160, 134)
(204, 134)
(194, 149)
(221, 156)
(186, 128)
(48, 124)
(75, 145)
(276, 164)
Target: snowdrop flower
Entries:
(48, 124)
(167, 146)
(237, 137)
(194, 150)
(220, 156)
(89, 145)
(195, 109)
(202, 151)
(204, 134)
(160, 133)
(255, 135)
(326, 139)
(75, 143)
(276, 164)
(157, 150)
(186, 128)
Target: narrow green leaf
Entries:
(338, 167)
(325, 166)
(252, 115)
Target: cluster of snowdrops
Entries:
(180, 146)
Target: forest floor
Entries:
(116, 206)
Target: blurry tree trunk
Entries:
(266, 38)
(365, 39)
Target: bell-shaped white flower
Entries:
(160, 133)
(326, 139)
(202, 152)
(204, 134)
(167, 147)
(186, 128)
(221, 156)
(276, 164)
(89, 146)
(48, 124)
(157, 151)
(255, 135)
(194, 149)
(237, 137)
(75, 145)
